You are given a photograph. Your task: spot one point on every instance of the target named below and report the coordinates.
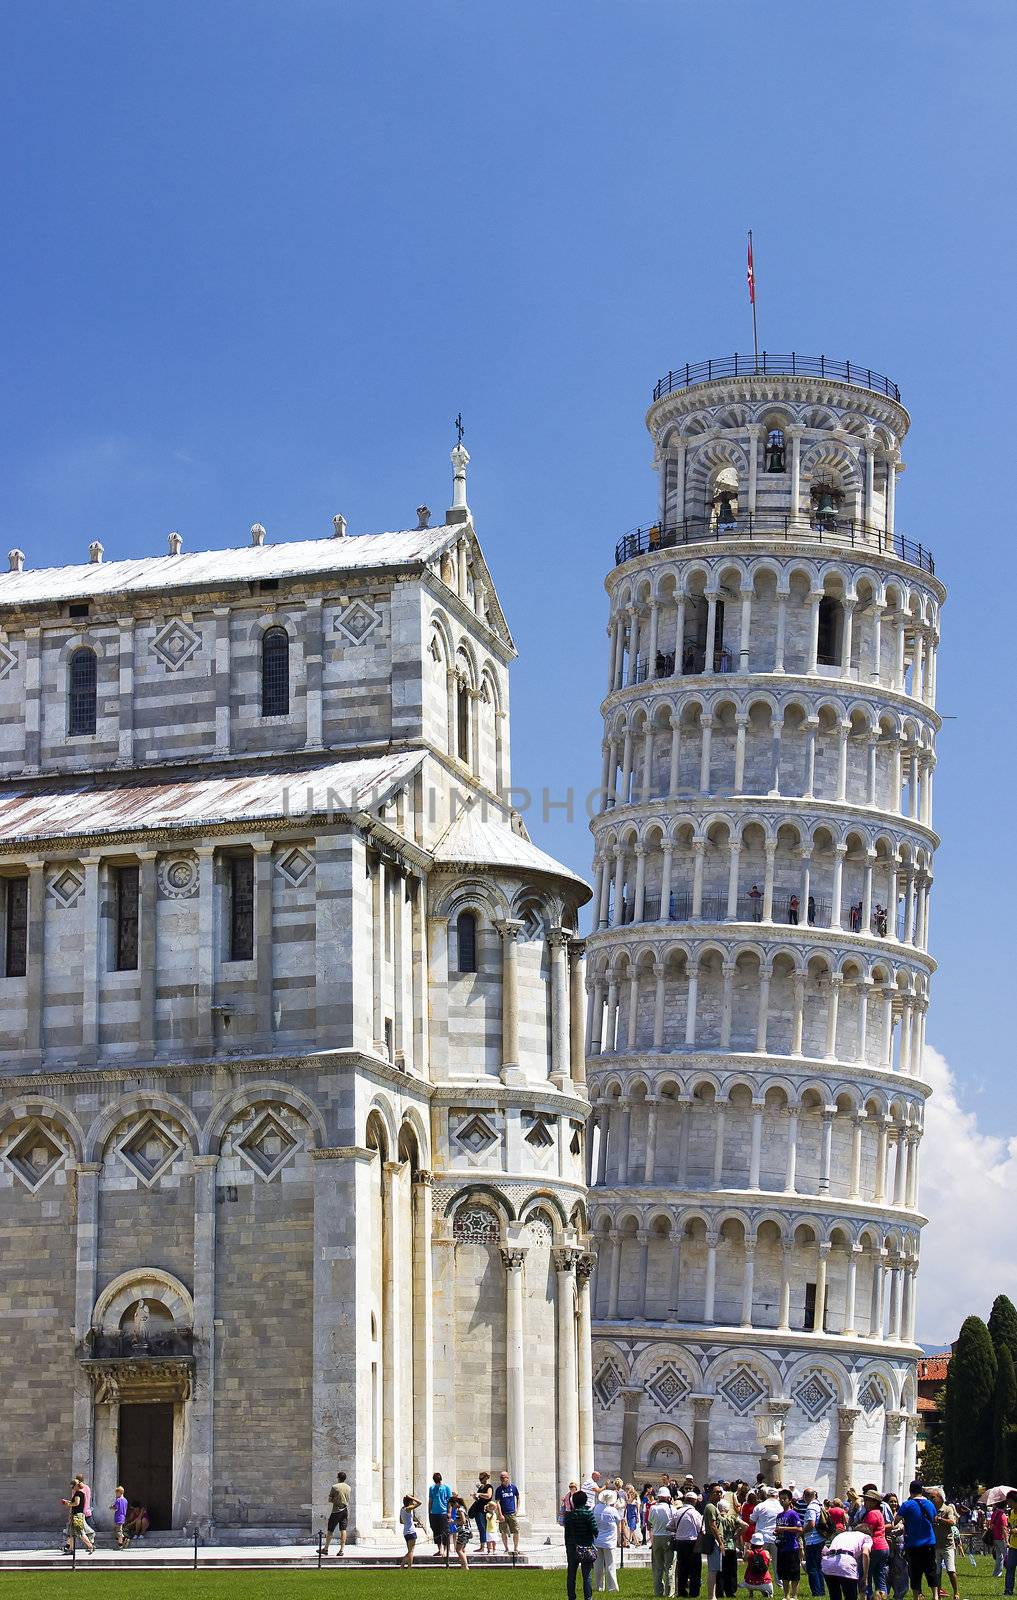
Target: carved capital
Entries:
(584, 1267)
(513, 1257)
(566, 1258)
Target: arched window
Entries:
(828, 653)
(775, 458)
(275, 673)
(463, 722)
(81, 708)
(466, 940)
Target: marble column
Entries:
(561, 1062)
(509, 931)
(515, 1387)
(747, 1283)
(631, 1397)
(847, 1416)
(422, 1331)
(584, 1269)
(821, 1270)
(202, 1403)
(701, 1406)
(565, 1262)
(577, 1008)
(86, 1251)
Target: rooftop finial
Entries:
(423, 516)
(459, 511)
(175, 542)
(257, 534)
(339, 526)
(16, 558)
(95, 552)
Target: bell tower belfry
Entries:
(759, 966)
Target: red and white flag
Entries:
(751, 274)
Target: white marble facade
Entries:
(292, 1084)
(759, 968)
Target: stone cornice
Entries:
(778, 935)
(780, 808)
(798, 1339)
(758, 1202)
(797, 548)
(488, 1092)
(799, 388)
(780, 684)
(739, 1064)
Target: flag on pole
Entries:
(751, 273)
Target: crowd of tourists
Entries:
(767, 1539)
(491, 1510)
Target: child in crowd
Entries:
(119, 1510)
(459, 1528)
(758, 1578)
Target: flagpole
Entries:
(752, 282)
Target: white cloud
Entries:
(968, 1192)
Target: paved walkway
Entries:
(161, 1557)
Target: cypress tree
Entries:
(1003, 1325)
(1004, 1406)
(968, 1443)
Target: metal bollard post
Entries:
(74, 1549)
(623, 1558)
(321, 1536)
(195, 1547)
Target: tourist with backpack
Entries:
(758, 1576)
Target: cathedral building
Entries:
(292, 1104)
(760, 961)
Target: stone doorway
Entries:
(145, 1459)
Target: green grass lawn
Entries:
(286, 1584)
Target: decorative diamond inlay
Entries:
(742, 1390)
(8, 660)
(814, 1394)
(267, 1147)
(476, 1225)
(149, 1150)
(476, 1135)
(34, 1156)
(65, 885)
(358, 621)
(175, 644)
(294, 865)
(539, 1134)
(607, 1385)
(668, 1387)
(872, 1397)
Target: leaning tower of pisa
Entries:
(759, 963)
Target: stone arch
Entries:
(661, 1448)
(417, 1126)
(137, 1105)
(47, 1111)
(484, 1194)
(142, 1283)
(544, 1200)
(727, 1361)
(232, 1105)
(830, 1369)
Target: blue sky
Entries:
(257, 256)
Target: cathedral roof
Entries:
(208, 568)
(86, 809)
(476, 840)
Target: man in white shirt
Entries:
(764, 1521)
(686, 1531)
(661, 1546)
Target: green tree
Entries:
(930, 1463)
(1003, 1325)
(1004, 1412)
(968, 1443)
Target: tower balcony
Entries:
(773, 527)
(770, 364)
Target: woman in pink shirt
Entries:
(874, 1524)
(846, 1565)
